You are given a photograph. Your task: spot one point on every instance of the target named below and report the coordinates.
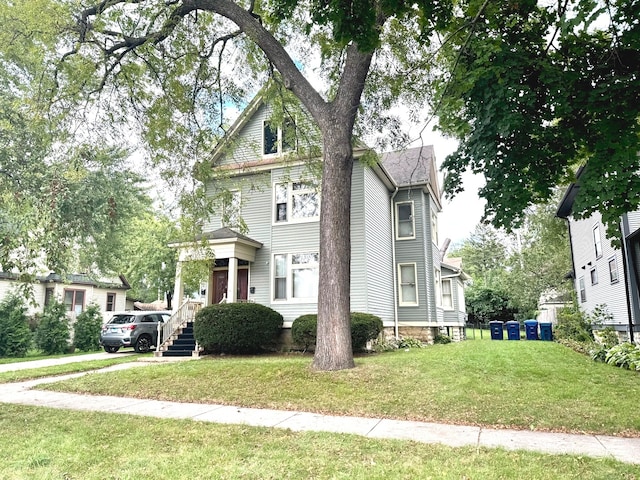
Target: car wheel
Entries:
(143, 345)
(109, 349)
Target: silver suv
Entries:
(132, 329)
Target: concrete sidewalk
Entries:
(622, 449)
(50, 362)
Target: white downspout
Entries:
(394, 267)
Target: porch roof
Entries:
(220, 243)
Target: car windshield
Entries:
(122, 319)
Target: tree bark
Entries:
(333, 344)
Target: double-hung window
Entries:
(295, 277)
(447, 294)
(582, 289)
(74, 300)
(405, 225)
(296, 202)
(408, 291)
(277, 139)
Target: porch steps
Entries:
(182, 346)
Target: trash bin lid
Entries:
(530, 322)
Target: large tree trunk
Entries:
(333, 346)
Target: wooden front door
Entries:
(243, 283)
(220, 280)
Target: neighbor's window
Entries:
(111, 302)
(405, 225)
(408, 290)
(48, 296)
(597, 241)
(594, 276)
(277, 139)
(296, 276)
(613, 270)
(583, 292)
(447, 294)
(296, 201)
(74, 300)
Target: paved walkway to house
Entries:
(26, 393)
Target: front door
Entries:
(220, 280)
(243, 283)
(220, 284)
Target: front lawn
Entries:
(47, 444)
(509, 384)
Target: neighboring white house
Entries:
(604, 275)
(76, 291)
(272, 197)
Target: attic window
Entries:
(278, 139)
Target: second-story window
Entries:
(597, 241)
(405, 225)
(231, 210)
(296, 201)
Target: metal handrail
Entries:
(185, 313)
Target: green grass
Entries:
(507, 384)
(50, 444)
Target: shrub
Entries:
(364, 327)
(410, 342)
(52, 333)
(86, 330)
(624, 355)
(304, 330)
(15, 336)
(237, 327)
(441, 339)
(573, 325)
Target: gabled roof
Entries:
(413, 167)
(225, 233)
(566, 204)
(76, 279)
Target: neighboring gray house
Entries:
(272, 197)
(76, 291)
(604, 275)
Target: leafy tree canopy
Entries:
(533, 90)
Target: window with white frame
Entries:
(434, 227)
(447, 294)
(597, 241)
(438, 286)
(408, 291)
(583, 291)
(278, 139)
(231, 214)
(405, 224)
(295, 202)
(295, 277)
(613, 270)
(593, 273)
(111, 302)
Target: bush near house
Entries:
(237, 328)
(15, 335)
(86, 330)
(364, 327)
(52, 333)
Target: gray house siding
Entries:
(375, 240)
(413, 251)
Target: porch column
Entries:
(178, 294)
(232, 281)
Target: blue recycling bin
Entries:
(546, 332)
(513, 330)
(496, 330)
(531, 329)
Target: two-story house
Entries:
(605, 277)
(265, 236)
